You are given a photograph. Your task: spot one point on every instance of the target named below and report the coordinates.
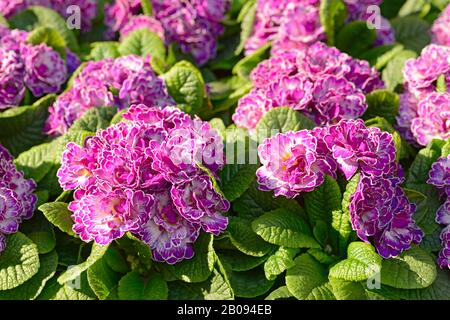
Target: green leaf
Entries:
(133, 287)
(349, 190)
(321, 256)
(348, 290)
(308, 280)
(22, 127)
(236, 178)
(58, 214)
(147, 7)
(340, 232)
(33, 287)
(245, 239)
(94, 119)
(247, 19)
(392, 74)
(418, 172)
(73, 272)
(215, 288)
(19, 262)
(79, 290)
(382, 103)
(102, 279)
(412, 32)
(40, 231)
(284, 228)
(380, 56)
(323, 200)
(186, 86)
(279, 262)
(51, 37)
(253, 203)
(37, 16)
(355, 38)
(250, 284)
(115, 260)
(332, 16)
(198, 268)
(245, 66)
(280, 294)
(143, 42)
(413, 269)
(282, 119)
(362, 263)
(238, 261)
(104, 50)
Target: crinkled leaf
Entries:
(104, 50)
(19, 262)
(280, 294)
(40, 231)
(332, 16)
(308, 280)
(279, 262)
(355, 38)
(102, 279)
(382, 103)
(412, 32)
(58, 214)
(238, 261)
(250, 284)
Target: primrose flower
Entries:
(45, 70)
(147, 176)
(12, 89)
(440, 32)
(142, 22)
(433, 118)
(17, 201)
(293, 162)
(379, 209)
(355, 146)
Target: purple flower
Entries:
(298, 33)
(379, 209)
(104, 216)
(439, 174)
(120, 82)
(335, 99)
(251, 109)
(12, 89)
(73, 62)
(146, 176)
(439, 31)
(142, 22)
(198, 202)
(118, 14)
(17, 201)
(194, 25)
(421, 74)
(355, 146)
(433, 118)
(10, 8)
(168, 234)
(45, 70)
(444, 254)
(406, 113)
(323, 83)
(293, 162)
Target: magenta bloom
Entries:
(421, 74)
(142, 22)
(118, 14)
(17, 201)
(12, 89)
(132, 78)
(321, 82)
(355, 146)
(380, 209)
(45, 70)
(440, 32)
(406, 113)
(144, 176)
(444, 254)
(293, 162)
(433, 118)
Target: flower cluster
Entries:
(439, 176)
(194, 24)
(296, 162)
(144, 176)
(88, 8)
(296, 24)
(17, 200)
(36, 67)
(424, 112)
(321, 82)
(110, 82)
(440, 32)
